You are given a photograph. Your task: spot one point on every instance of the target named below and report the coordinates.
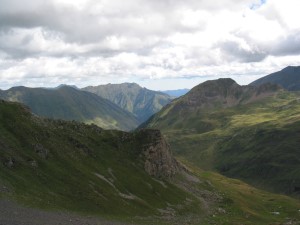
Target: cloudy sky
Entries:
(160, 44)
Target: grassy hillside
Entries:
(142, 102)
(288, 78)
(71, 104)
(69, 166)
(257, 141)
(238, 203)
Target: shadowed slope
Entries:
(288, 78)
(142, 102)
(72, 104)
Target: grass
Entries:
(69, 166)
(86, 169)
(240, 203)
(257, 142)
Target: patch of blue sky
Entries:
(255, 6)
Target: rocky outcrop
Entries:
(41, 151)
(156, 154)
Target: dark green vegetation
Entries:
(59, 165)
(68, 165)
(288, 78)
(241, 131)
(72, 104)
(142, 102)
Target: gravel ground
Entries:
(13, 214)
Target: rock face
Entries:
(159, 161)
(156, 154)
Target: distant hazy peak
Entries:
(142, 102)
(176, 93)
(66, 85)
(126, 84)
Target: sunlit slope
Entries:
(257, 141)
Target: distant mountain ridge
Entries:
(176, 93)
(68, 103)
(221, 93)
(288, 78)
(142, 102)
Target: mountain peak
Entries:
(131, 85)
(224, 92)
(139, 101)
(66, 86)
(223, 83)
(288, 78)
(290, 68)
(213, 88)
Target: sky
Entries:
(159, 44)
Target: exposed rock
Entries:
(41, 151)
(10, 162)
(33, 163)
(80, 146)
(158, 159)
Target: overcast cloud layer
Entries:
(162, 44)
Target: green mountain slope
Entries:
(131, 177)
(68, 165)
(241, 131)
(288, 78)
(72, 104)
(142, 102)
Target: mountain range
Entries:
(176, 93)
(68, 103)
(216, 155)
(113, 175)
(139, 101)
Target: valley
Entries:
(149, 112)
(253, 140)
(61, 166)
(221, 154)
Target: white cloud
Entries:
(87, 41)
